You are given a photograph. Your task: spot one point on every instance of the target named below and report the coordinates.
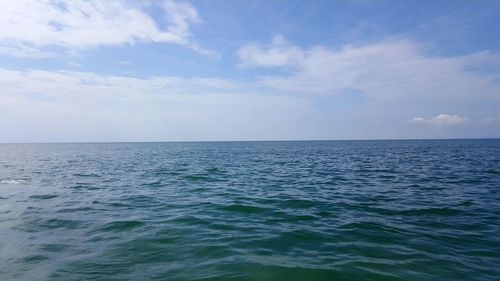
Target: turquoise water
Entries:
(337, 210)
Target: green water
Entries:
(339, 210)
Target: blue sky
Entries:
(248, 70)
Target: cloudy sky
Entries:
(248, 70)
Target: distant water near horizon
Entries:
(305, 210)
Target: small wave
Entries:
(54, 248)
(368, 228)
(118, 226)
(492, 171)
(137, 201)
(299, 203)
(60, 223)
(466, 203)
(431, 211)
(34, 259)
(87, 175)
(40, 225)
(73, 210)
(11, 181)
(84, 186)
(215, 171)
(196, 178)
(200, 178)
(42, 197)
(156, 183)
(190, 220)
(245, 209)
(289, 240)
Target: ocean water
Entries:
(322, 210)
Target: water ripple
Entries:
(346, 210)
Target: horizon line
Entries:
(270, 140)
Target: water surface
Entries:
(333, 210)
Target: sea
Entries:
(291, 210)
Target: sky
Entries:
(160, 70)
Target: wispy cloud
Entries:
(70, 85)
(419, 120)
(279, 53)
(490, 120)
(124, 62)
(30, 28)
(112, 107)
(442, 119)
(388, 70)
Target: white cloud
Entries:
(385, 71)
(277, 54)
(418, 120)
(29, 27)
(446, 119)
(71, 85)
(24, 51)
(442, 119)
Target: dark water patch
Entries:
(259, 271)
(295, 218)
(118, 205)
(438, 212)
(441, 212)
(155, 183)
(91, 270)
(43, 197)
(32, 209)
(54, 247)
(298, 204)
(86, 175)
(483, 253)
(290, 240)
(167, 173)
(324, 214)
(84, 186)
(215, 171)
(145, 251)
(119, 226)
(49, 224)
(75, 210)
(59, 223)
(31, 259)
(137, 201)
(202, 178)
(466, 203)
(492, 171)
(102, 237)
(244, 209)
(380, 232)
(190, 220)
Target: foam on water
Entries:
(11, 181)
